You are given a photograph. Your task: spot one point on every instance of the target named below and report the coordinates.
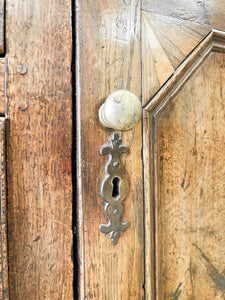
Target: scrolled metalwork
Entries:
(114, 188)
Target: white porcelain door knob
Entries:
(122, 110)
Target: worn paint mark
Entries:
(217, 277)
(178, 291)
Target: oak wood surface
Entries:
(3, 64)
(190, 169)
(213, 41)
(166, 41)
(4, 288)
(105, 45)
(38, 36)
(188, 210)
(204, 12)
(170, 31)
(164, 73)
(2, 27)
(109, 59)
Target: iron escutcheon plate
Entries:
(114, 188)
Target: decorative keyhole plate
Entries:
(114, 188)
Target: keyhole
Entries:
(116, 188)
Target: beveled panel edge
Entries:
(2, 85)
(4, 288)
(214, 41)
(2, 27)
(149, 215)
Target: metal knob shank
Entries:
(122, 110)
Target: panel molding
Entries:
(3, 64)
(39, 145)
(166, 42)
(214, 41)
(4, 292)
(2, 27)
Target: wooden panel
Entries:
(2, 86)
(166, 41)
(189, 188)
(204, 12)
(2, 26)
(4, 292)
(109, 53)
(39, 149)
(171, 30)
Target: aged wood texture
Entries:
(109, 59)
(38, 36)
(184, 165)
(4, 291)
(148, 183)
(2, 26)
(2, 85)
(166, 42)
(170, 31)
(204, 12)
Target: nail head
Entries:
(21, 69)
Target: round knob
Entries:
(121, 111)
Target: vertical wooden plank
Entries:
(4, 292)
(109, 59)
(39, 100)
(2, 26)
(148, 150)
(2, 86)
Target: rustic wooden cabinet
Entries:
(59, 60)
(171, 55)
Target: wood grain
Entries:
(2, 27)
(214, 41)
(109, 59)
(170, 31)
(148, 151)
(39, 137)
(186, 152)
(166, 41)
(203, 12)
(2, 85)
(4, 288)
(188, 66)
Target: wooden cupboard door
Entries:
(183, 141)
(170, 54)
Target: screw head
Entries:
(115, 164)
(22, 105)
